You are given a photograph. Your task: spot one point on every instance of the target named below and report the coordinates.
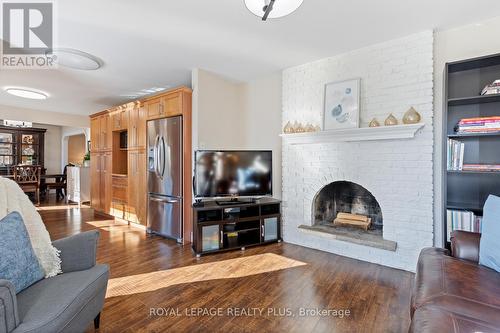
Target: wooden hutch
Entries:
(20, 145)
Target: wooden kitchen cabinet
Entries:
(105, 142)
(172, 105)
(100, 185)
(95, 181)
(119, 119)
(153, 108)
(119, 172)
(137, 198)
(95, 134)
(100, 133)
(168, 105)
(137, 128)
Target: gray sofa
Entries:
(64, 303)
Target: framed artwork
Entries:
(342, 105)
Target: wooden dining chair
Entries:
(28, 178)
(60, 183)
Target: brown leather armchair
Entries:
(452, 292)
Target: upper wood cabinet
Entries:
(153, 108)
(105, 133)
(167, 105)
(137, 127)
(95, 132)
(119, 119)
(100, 133)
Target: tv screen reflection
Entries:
(233, 173)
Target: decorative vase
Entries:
(309, 128)
(288, 129)
(391, 121)
(374, 123)
(297, 127)
(411, 116)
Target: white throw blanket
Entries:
(13, 199)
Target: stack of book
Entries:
(481, 167)
(492, 89)
(455, 155)
(479, 125)
(462, 220)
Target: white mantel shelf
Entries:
(354, 134)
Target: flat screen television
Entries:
(245, 173)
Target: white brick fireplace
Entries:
(395, 75)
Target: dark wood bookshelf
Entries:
(474, 171)
(472, 135)
(474, 100)
(465, 206)
(468, 189)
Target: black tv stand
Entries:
(222, 228)
(236, 201)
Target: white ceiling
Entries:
(156, 43)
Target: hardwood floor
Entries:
(151, 275)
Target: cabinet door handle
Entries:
(262, 228)
(221, 237)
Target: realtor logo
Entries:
(27, 33)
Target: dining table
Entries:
(58, 177)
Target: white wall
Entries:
(52, 147)
(218, 112)
(66, 132)
(235, 115)
(395, 75)
(451, 45)
(57, 124)
(43, 117)
(263, 98)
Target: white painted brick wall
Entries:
(395, 75)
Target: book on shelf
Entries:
(462, 220)
(456, 150)
(491, 89)
(479, 125)
(481, 167)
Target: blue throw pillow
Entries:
(489, 250)
(18, 262)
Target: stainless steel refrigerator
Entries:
(165, 177)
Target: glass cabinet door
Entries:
(210, 237)
(7, 149)
(270, 231)
(30, 148)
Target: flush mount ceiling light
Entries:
(272, 8)
(26, 93)
(75, 59)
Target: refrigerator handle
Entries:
(163, 157)
(156, 155)
(165, 200)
